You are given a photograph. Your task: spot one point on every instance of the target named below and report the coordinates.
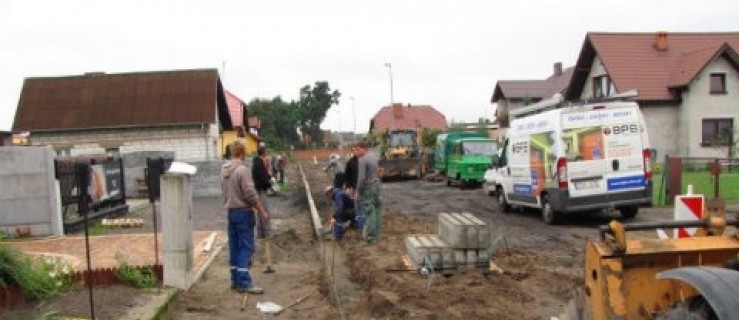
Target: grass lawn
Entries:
(702, 184)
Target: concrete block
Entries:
(431, 246)
(471, 257)
(463, 230)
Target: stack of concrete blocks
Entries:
(462, 241)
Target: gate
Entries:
(102, 184)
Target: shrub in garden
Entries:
(136, 277)
(38, 277)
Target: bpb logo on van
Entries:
(621, 129)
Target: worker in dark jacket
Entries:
(343, 211)
(350, 184)
(262, 183)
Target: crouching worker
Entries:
(344, 212)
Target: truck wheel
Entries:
(503, 205)
(629, 212)
(547, 213)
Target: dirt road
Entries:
(542, 267)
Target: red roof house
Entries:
(407, 117)
(686, 84)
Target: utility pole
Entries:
(392, 99)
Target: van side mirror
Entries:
(494, 162)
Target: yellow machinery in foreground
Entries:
(681, 278)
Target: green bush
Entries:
(136, 277)
(39, 278)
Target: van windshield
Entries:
(479, 148)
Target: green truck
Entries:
(464, 156)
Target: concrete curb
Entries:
(315, 218)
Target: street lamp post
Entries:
(392, 99)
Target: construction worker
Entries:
(333, 164)
(241, 200)
(350, 184)
(263, 184)
(368, 192)
(343, 210)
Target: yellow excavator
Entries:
(670, 278)
(401, 155)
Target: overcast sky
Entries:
(447, 54)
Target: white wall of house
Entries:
(596, 70)
(194, 142)
(699, 103)
(662, 126)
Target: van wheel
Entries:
(547, 213)
(629, 212)
(503, 205)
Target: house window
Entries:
(717, 132)
(718, 83)
(603, 87)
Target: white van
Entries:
(577, 158)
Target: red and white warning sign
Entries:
(688, 207)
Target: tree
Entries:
(278, 119)
(312, 106)
(428, 137)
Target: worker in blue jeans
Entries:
(242, 202)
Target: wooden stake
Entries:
(243, 302)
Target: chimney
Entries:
(397, 110)
(557, 69)
(94, 74)
(660, 41)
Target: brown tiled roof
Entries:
(692, 63)
(633, 61)
(413, 117)
(532, 89)
(99, 100)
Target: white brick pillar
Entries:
(177, 247)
